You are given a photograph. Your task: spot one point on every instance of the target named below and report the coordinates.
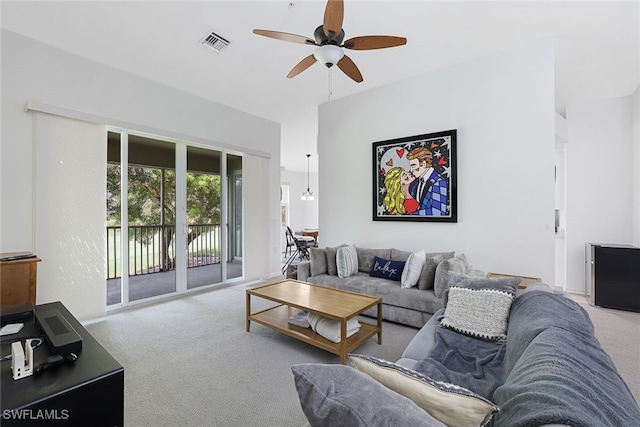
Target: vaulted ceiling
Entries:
(597, 47)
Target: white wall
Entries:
(636, 168)
(560, 190)
(299, 134)
(302, 213)
(503, 108)
(600, 192)
(35, 71)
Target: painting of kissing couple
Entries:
(414, 178)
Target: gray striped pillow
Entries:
(347, 261)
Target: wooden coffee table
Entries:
(328, 302)
(524, 280)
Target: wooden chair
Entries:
(290, 242)
(302, 246)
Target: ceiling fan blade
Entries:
(301, 66)
(350, 69)
(293, 38)
(333, 16)
(374, 42)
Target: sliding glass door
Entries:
(182, 215)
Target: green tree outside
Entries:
(145, 202)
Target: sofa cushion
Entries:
(399, 255)
(332, 266)
(347, 261)
(457, 264)
(366, 258)
(479, 307)
(558, 371)
(387, 269)
(413, 269)
(318, 260)
(448, 403)
(420, 346)
(332, 395)
(389, 291)
(392, 294)
(428, 273)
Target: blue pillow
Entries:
(387, 269)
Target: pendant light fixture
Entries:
(307, 195)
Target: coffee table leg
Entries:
(343, 341)
(380, 322)
(248, 310)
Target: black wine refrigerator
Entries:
(613, 275)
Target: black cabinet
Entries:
(613, 276)
(87, 392)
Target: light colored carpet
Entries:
(190, 362)
(619, 334)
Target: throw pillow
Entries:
(428, 274)
(387, 269)
(413, 269)
(457, 264)
(332, 267)
(506, 284)
(318, 260)
(330, 328)
(399, 255)
(366, 258)
(448, 403)
(338, 395)
(347, 261)
(479, 307)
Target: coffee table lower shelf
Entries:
(277, 318)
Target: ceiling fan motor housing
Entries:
(322, 39)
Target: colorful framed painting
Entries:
(414, 178)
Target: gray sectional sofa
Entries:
(411, 306)
(549, 370)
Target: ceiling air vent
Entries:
(215, 42)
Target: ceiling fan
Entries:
(329, 37)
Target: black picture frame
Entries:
(415, 178)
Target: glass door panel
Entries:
(234, 239)
(203, 217)
(152, 218)
(112, 226)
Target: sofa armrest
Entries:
(421, 344)
(304, 271)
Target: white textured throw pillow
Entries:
(330, 328)
(481, 313)
(347, 261)
(413, 269)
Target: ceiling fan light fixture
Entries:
(329, 55)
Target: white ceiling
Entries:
(597, 47)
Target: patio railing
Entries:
(152, 248)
